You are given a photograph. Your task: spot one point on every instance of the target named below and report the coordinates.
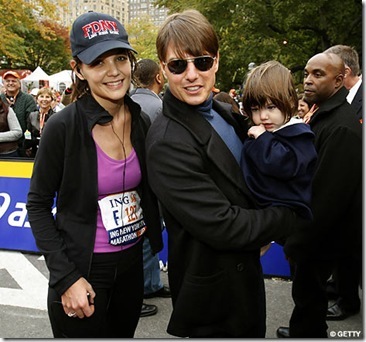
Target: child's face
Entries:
(269, 116)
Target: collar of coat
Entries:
(336, 100)
(190, 117)
(96, 114)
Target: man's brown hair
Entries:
(190, 33)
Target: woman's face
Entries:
(44, 101)
(303, 108)
(108, 77)
(192, 85)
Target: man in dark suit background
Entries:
(353, 77)
(336, 230)
(347, 274)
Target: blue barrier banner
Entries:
(274, 262)
(15, 232)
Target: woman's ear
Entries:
(76, 70)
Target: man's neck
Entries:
(155, 88)
(352, 81)
(12, 93)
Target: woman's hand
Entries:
(78, 299)
(310, 113)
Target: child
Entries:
(279, 157)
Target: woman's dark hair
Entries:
(225, 97)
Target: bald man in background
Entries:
(336, 229)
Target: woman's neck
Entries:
(44, 110)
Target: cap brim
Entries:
(91, 54)
(11, 73)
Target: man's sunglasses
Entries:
(202, 63)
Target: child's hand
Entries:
(256, 131)
(264, 249)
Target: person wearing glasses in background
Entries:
(193, 161)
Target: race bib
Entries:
(122, 218)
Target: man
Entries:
(22, 103)
(150, 82)
(337, 197)
(347, 274)
(193, 157)
(352, 78)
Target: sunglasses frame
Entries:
(187, 60)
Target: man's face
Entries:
(321, 79)
(192, 85)
(11, 84)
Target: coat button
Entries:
(240, 267)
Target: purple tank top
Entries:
(114, 176)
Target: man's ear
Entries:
(347, 71)
(158, 78)
(339, 80)
(162, 66)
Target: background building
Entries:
(123, 10)
(141, 8)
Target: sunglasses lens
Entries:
(203, 63)
(177, 66)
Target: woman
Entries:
(10, 131)
(92, 155)
(304, 110)
(36, 120)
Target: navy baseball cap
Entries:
(93, 34)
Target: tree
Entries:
(27, 35)
(142, 36)
(290, 31)
(50, 51)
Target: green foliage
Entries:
(142, 36)
(49, 51)
(28, 40)
(290, 31)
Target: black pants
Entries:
(347, 277)
(308, 319)
(117, 279)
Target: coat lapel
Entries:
(200, 128)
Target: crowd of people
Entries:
(32, 110)
(225, 177)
